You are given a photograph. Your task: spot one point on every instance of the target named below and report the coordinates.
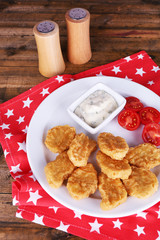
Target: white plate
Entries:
(53, 111)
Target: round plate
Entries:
(53, 111)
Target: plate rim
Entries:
(28, 135)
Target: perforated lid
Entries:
(77, 13)
(45, 27)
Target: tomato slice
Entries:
(149, 114)
(133, 104)
(151, 133)
(129, 120)
(132, 99)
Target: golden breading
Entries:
(113, 168)
(115, 147)
(59, 138)
(144, 155)
(112, 191)
(80, 149)
(82, 182)
(58, 170)
(142, 183)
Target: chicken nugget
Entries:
(115, 147)
(59, 138)
(112, 191)
(142, 183)
(82, 182)
(113, 168)
(58, 170)
(80, 149)
(145, 155)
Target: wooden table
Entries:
(118, 29)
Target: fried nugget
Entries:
(144, 155)
(115, 147)
(58, 170)
(82, 182)
(113, 168)
(142, 183)
(80, 149)
(59, 138)
(112, 191)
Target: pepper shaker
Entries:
(49, 50)
(78, 23)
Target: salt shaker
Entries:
(78, 23)
(49, 50)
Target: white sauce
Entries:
(96, 108)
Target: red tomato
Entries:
(149, 114)
(133, 104)
(129, 120)
(132, 99)
(151, 133)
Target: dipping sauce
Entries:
(96, 108)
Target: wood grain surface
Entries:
(118, 28)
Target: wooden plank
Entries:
(23, 33)
(5, 178)
(143, 21)
(93, 7)
(42, 233)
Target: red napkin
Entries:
(34, 204)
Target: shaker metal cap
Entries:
(77, 13)
(45, 27)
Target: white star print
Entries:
(30, 189)
(14, 201)
(59, 78)
(158, 235)
(128, 58)
(116, 69)
(54, 208)
(155, 69)
(27, 103)
(25, 130)
(45, 91)
(150, 83)
(158, 213)
(5, 126)
(95, 226)
(8, 135)
(22, 146)
(38, 220)
(33, 177)
(9, 113)
(139, 230)
(140, 71)
(142, 214)
(128, 78)
(5, 153)
(77, 215)
(20, 119)
(19, 214)
(15, 169)
(34, 196)
(117, 224)
(99, 74)
(63, 227)
(19, 176)
(140, 56)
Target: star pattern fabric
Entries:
(33, 203)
